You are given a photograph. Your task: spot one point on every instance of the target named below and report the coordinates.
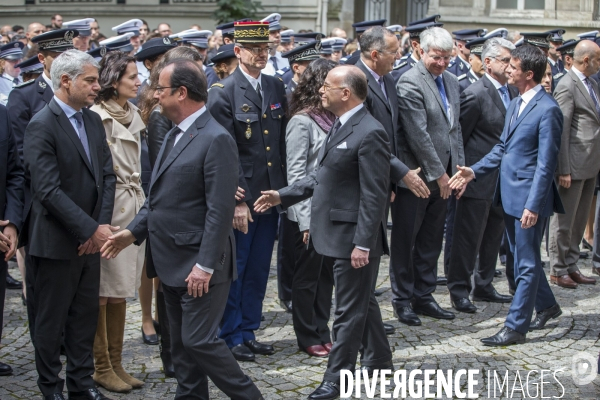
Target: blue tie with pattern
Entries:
(82, 134)
(440, 86)
(504, 96)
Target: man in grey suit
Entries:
(429, 138)
(349, 192)
(478, 226)
(187, 221)
(578, 164)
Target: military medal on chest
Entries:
(248, 133)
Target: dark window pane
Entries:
(506, 3)
(534, 4)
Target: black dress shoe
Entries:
(389, 329)
(286, 305)
(584, 255)
(379, 292)
(511, 291)
(433, 310)
(90, 394)
(493, 297)
(539, 322)
(150, 339)
(371, 368)
(407, 316)
(497, 273)
(326, 391)
(505, 337)
(441, 281)
(586, 245)
(167, 362)
(23, 299)
(12, 283)
(5, 369)
(259, 348)
(55, 396)
(242, 353)
(464, 305)
(502, 259)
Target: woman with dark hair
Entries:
(225, 61)
(119, 277)
(312, 284)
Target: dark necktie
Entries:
(504, 96)
(440, 86)
(592, 94)
(334, 130)
(274, 60)
(515, 113)
(382, 85)
(16, 81)
(82, 134)
(258, 91)
(170, 144)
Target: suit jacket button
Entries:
(122, 209)
(269, 164)
(266, 132)
(268, 148)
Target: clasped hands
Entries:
(98, 239)
(8, 239)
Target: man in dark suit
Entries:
(478, 227)
(193, 256)
(11, 207)
(359, 28)
(527, 156)
(73, 191)
(349, 191)
(251, 106)
(24, 102)
(379, 47)
(430, 138)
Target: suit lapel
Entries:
(433, 87)
(584, 92)
(249, 93)
(493, 92)
(267, 91)
(92, 147)
(65, 124)
(530, 106)
(392, 101)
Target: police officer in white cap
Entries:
(275, 62)
(81, 42)
(10, 55)
(133, 26)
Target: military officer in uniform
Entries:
(10, 55)
(287, 40)
(276, 61)
(359, 28)
(566, 55)
(299, 58)
(287, 74)
(30, 68)
(24, 102)
(82, 41)
(131, 26)
(414, 30)
(199, 40)
(477, 68)
(227, 30)
(252, 107)
(460, 65)
(556, 40)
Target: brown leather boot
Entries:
(578, 277)
(564, 281)
(104, 374)
(115, 328)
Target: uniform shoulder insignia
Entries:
(559, 75)
(29, 82)
(217, 85)
(402, 64)
(461, 77)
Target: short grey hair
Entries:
(70, 63)
(436, 38)
(492, 47)
(374, 39)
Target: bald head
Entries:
(353, 78)
(586, 57)
(345, 87)
(34, 29)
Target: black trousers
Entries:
(29, 283)
(312, 288)
(449, 233)
(286, 258)
(478, 230)
(357, 319)
(3, 273)
(66, 301)
(416, 244)
(197, 350)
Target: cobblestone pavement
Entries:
(437, 344)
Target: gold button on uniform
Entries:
(266, 132)
(268, 148)
(264, 115)
(269, 164)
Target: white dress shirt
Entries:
(377, 77)
(184, 126)
(528, 96)
(69, 112)
(254, 81)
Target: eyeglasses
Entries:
(505, 60)
(257, 50)
(391, 53)
(160, 89)
(327, 87)
(437, 59)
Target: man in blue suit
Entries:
(527, 156)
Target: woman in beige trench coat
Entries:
(119, 277)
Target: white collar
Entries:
(412, 56)
(496, 84)
(253, 81)
(348, 114)
(530, 94)
(551, 61)
(68, 110)
(579, 74)
(186, 123)
(48, 81)
(375, 74)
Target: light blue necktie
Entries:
(440, 86)
(82, 134)
(504, 96)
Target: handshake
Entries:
(104, 240)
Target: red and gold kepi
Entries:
(251, 32)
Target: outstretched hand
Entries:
(461, 178)
(413, 181)
(116, 243)
(269, 198)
